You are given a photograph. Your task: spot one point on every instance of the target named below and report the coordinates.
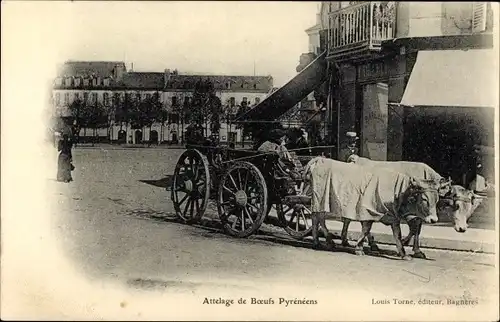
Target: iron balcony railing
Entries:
(361, 27)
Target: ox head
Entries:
(422, 199)
(459, 204)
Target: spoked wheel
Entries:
(296, 220)
(242, 199)
(190, 186)
(295, 213)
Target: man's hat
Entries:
(276, 134)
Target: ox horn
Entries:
(480, 197)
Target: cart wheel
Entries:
(295, 220)
(242, 199)
(190, 186)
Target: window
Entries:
(228, 85)
(174, 100)
(257, 100)
(479, 12)
(173, 118)
(106, 99)
(77, 96)
(106, 82)
(116, 97)
(232, 102)
(58, 99)
(66, 98)
(187, 100)
(148, 96)
(138, 96)
(78, 81)
(85, 97)
(94, 98)
(68, 81)
(245, 99)
(86, 82)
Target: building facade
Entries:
(104, 84)
(415, 80)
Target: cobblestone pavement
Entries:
(115, 222)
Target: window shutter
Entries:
(479, 16)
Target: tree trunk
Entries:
(182, 132)
(160, 139)
(149, 141)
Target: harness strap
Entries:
(458, 199)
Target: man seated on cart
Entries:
(277, 144)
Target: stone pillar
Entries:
(347, 100)
(400, 67)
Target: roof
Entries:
(223, 82)
(88, 68)
(143, 80)
(313, 28)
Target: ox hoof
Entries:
(359, 252)
(331, 246)
(419, 255)
(345, 243)
(406, 258)
(374, 248)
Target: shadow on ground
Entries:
(212, 228)
(161, 183)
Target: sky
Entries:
(192, 37)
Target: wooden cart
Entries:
(245, 184)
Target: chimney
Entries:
(166, 77)
(118, 72)
(131, 67)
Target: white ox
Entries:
(456, 202)
(367, 195)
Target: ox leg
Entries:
(417, 253)
(366, 227)
(314, 232)
(329, 238)
(396, 231)
(372, 243)
(413, 226)
(345, 228)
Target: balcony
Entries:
(357, 31)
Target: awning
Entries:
(461, 78)
(286, 97)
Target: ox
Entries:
(455, 201)
(365, 195)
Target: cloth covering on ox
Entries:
(353, 192)
(413, 169)
(416, 170)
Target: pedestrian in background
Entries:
(65, 159)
